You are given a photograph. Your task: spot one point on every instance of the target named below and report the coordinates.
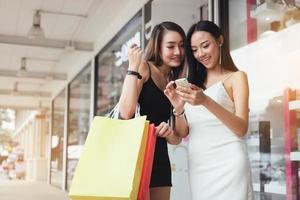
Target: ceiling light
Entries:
(36, 30)
(23, 69)
(23, 64)
(15, 89)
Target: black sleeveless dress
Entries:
(157, 107)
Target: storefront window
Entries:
(112, 64)
(264, 43)
(258, 19)
(204, 12)
(292, 150)
(79, 117)
(57, 140)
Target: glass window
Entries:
(79, 118)
(258, 19)
(264, 44)
(204, 12)
(112, 65)
(57, 139)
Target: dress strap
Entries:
(227, 77)
(149, 69)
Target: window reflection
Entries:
(57, 140)
(265, 142)
(264, 44)
(260, 19)
(112, 65)
(110, 83)
(79, 117)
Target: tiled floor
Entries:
(24, 190)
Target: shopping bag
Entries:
(115, 112)
(111, 162)
(148, 161)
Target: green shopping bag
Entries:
(111, 162)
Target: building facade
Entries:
(264, 43)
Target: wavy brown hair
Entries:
(152, 51)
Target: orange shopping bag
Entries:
(147, 166)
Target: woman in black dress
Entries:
(144, 84)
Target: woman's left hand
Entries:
(192, 95)
(174, 98)
(163, 130)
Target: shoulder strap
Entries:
(149, 69)
(227, 77)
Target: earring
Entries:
(220, 57)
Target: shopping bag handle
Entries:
(115, 112)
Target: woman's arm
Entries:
(237, 122)
(166, 131)
(181, 126)
(173, 139)
(132, 86)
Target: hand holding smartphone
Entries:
(183, 82)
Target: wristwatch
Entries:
(130, 72)
(178, 114)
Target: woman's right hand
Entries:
(134, 57)
(174, 98)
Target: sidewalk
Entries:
(25, 190)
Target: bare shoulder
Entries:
(239, 77)
(144, 70)
(239, 82)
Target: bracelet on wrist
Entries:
(178, 114)
(130, 72)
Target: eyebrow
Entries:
(172, 42)
(204, 41)
(201, 43)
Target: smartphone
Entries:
(182, 82)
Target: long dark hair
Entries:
(197, 73)
(152, 51)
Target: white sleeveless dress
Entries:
(219, 167)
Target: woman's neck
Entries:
(215, 74)
(216, 71)
(165, 70)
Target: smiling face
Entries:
(206, 49)
(172, 49)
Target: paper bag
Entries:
(148, 161)
(111, 162)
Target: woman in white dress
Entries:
(213, 111)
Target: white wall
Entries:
(272, 64)
(21, 117)
(185, 13)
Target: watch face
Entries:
(177, 114)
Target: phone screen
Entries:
(182, 82)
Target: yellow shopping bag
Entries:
(111, 162)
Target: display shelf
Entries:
(295, 156)
(256, 187)
(294, 105)
(253, 142)
(275, 187)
